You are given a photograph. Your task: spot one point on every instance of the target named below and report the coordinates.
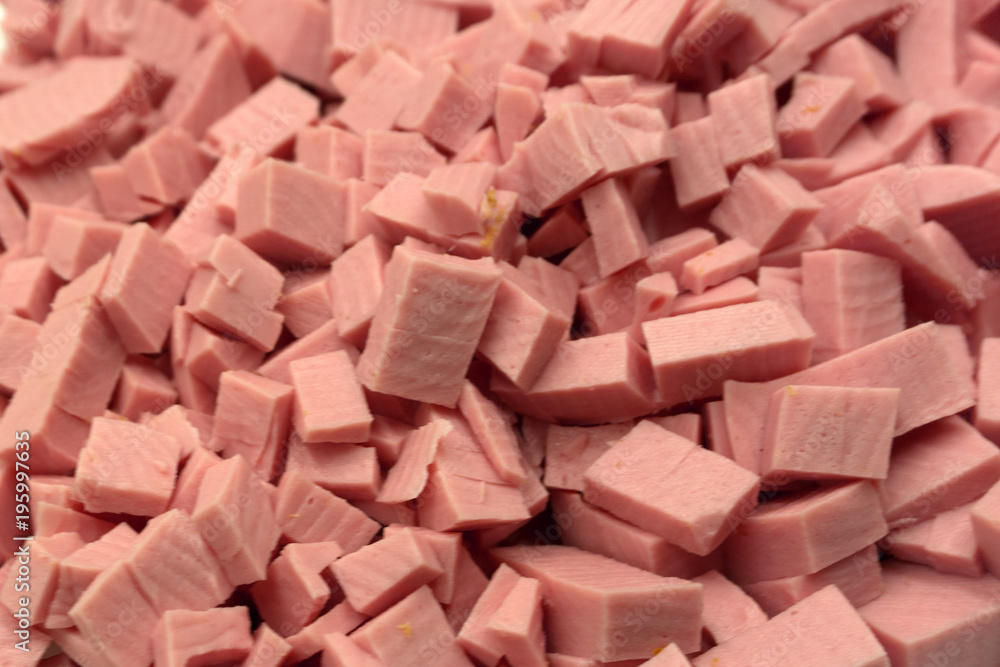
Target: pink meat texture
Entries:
(500, 333)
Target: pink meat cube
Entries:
(339, 650)
(349, 471)
(356, 283)
(475, 637)
(447, 547)
(699, 174)
(753, 340)
(74, 244)
(562, 231)
(144, 265)
(235, 517)
(494, 431)
(27, 286)
(523, 329)
(916, 632)
(174, 566)
(294, 592)
(185, 637)
(330, 151)
(366, 107)
(305, 301)
(590, 528)
(287, 214)
(322, 340)
(316, 417)
(213, 83)
(829, 432)
(728, 611)
(405, 633)
(126, 468)
(143, 388)
(166, 166)
(798, 636)
(308, 641)
(252, 418)
(669, 254)
(570, 450)
(46, 555)
(410, 454)
(821, 112)
(113, 593)
(406, 341)
(271, 117)
(851, 299)
(269, 648)
(614, 225)
(729, 293)
(986, 526)
(936, 468)
(878, 84)
(19, 336)
(381, 574)
(946, 542)
(590, 597)
(307, 513)
(765, 207)
(744, 115)
(916, 361)
(859, 578)
(716, 266)
(388, 154)
(804, 532)
(641, 478)
(79, 569)
(589, 381)
(516, 111)
(988, 409)
(455, 193)
(430, 107)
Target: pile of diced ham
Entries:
(454, 333)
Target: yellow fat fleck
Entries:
(407, 629)
(293, 516)
(790, 390)
(813, 108)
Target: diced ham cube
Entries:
(270, 118)
(988, 409)
(235, 517)
(455, 193)
(523, 329)
(126, 468)
(590, 528)
(875, 77)
(379, 575)
(804, 532)
(728, 611)
(758, 331)
(115, 593)
(269, 648)
(27, 286)
(339, 650)
(937, 468)
(252, 418)
(403, 634)
(307, 513)
(212, 84)
(19, 335)
(797, 633)
(946, 542)
(316, 417)
(401, 350)
(592, 625)
(185, 637)
(288, 214)
(907, 361)
(829, 432)
(330, 151)
(641, 478)
(143, 388)
(744, 115)
(615, 226)
(349, 471)
(986, 527)
(444, 107)
(915, 633)
(174, 566)
(858, 576)
(718, 265)
(295, 591)
(699, 175)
